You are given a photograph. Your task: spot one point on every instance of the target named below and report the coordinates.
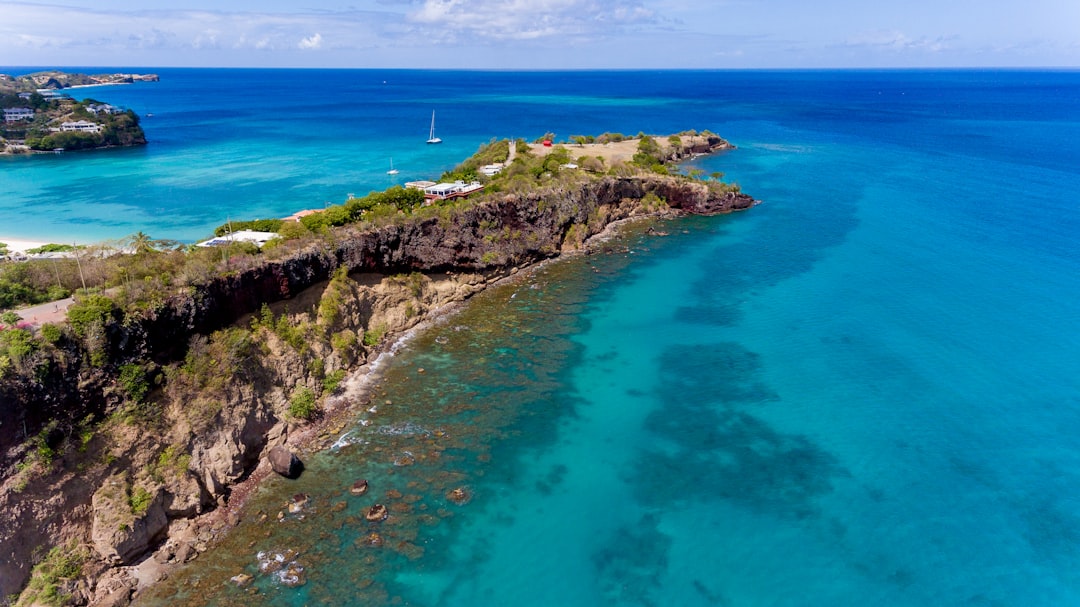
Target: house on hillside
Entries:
(80, 126)
(16, 114)
(258, 238)
(457, 189)
(99, 108)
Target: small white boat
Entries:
(431, 135)
(392, 170)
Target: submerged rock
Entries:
(372, 539)
(242, 579)
(460, 495)
(298, 502)
(378, 512)
(360, 487)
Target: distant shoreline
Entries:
(86, 86)
(21, 245)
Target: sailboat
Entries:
(431, 136)
(392, 170)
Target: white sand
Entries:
(20, 245)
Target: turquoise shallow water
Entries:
(862, 391)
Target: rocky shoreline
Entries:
(185, 510)
(203, 532)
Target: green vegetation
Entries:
(374, 336)
(28, 283)
(17, 344)
(333, 380)
(61, 564)
(113, 129)
(172, 461)
(140, 500)
(302, 405)
(258, 225)
(492, 152)
(51, 248)
(134, 381)
(93, 310)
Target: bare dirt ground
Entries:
(621, 151)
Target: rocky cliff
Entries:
(224, 365)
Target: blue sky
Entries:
(539, 34)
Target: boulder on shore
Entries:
(284, 462)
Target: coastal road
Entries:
(54, 312)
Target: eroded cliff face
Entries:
(128, 481)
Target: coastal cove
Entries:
(862, 390)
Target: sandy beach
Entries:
(20, 245)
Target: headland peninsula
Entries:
(180, 372)
(38, 117)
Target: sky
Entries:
(542, 34)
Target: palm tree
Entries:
(140, 242)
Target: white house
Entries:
(15, 114)
(80, 126)
(259, 238)
(491, 169)
(97, 108)
(458, 189)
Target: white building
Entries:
(259, 238)
(97, 108)
(458, 189)
(80, 126)
(15, 114)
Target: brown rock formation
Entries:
(284, 463)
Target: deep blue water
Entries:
(865, 390)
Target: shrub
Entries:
(302, 405)
(374, 336)
(333, 380)
(140, 500)
(92, 310)
(344, 343)
(17, 344)
(50, 333)
(133, 379)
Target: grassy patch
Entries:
(61, 563)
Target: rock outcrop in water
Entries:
(211, 426)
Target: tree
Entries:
(140, 243)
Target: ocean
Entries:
(864, 390)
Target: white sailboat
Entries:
(392, 170)
(431, 136)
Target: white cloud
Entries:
(311, 42)
(455, 20)
(891, 40)
(95, 33)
